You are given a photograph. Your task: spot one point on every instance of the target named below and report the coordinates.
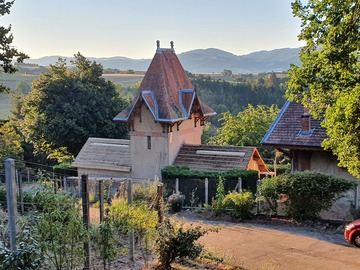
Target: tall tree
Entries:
(8, 53)
(66, 107)
(246, 128)
(328, 81)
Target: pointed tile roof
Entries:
(166, 90)
(285, 131)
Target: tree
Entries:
(10, 143)
(226, 72)
(66, 107)
(247, 128)
(8, 53)
(328, 82)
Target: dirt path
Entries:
(262, 247)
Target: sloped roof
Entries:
(216, 158)
(166, 90)
(105, 154)
(285, 130)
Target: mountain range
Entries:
(203, 61)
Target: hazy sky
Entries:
(104, 28)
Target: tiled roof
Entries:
(105, 154)
(285, 131)
(215, 158)
(166, 90)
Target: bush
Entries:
(308, 193)
(60, 230)
(217, 203)
(105, 242)
(269, 190)
(241, 204)
(176, 201)
(177, 242)
(27, 256)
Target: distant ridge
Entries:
(203, 61)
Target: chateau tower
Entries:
(165, 114)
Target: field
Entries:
(12, 80)
(124, 79)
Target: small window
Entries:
(149, 142)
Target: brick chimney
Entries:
(305, 121)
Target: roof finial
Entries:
(172, 44)
(158, 44)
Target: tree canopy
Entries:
(328, 82)
(66, 106)
(7, 52)
(247, 128)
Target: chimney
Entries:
(305, 121)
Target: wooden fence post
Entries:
(86, 220)
(131, 235)
(177, 185)
(11, 200)
(101, 199)
(240, 184)
(206, 191)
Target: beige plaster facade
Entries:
(152, 148)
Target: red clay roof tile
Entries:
(167, 90)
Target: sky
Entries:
(130, 28)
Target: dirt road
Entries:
(273, 248)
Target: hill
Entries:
(204, 61)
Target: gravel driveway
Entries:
(274, 247)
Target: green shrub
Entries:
(178, 242)
(28, 254)
(241, 204)
(105, 243)
(176, 201)
(60, 230)
(217, 202)
(308, 193)
(269, 190)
